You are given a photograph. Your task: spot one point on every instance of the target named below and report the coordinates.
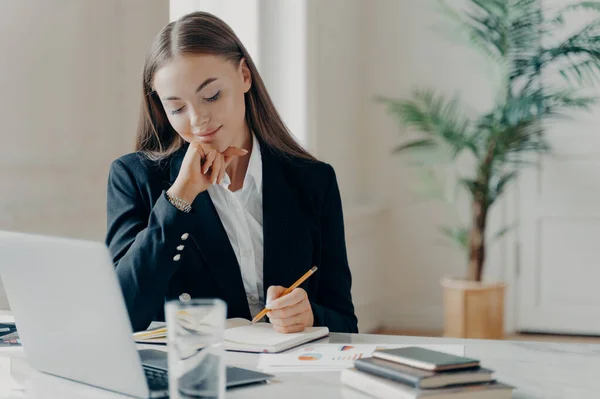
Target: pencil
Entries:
(290, 289)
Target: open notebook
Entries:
(242, 335)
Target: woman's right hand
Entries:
(200, 168)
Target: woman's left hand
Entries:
(289, 313)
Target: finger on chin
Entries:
(235, 152)
(215, 170)
(221, 174)
(210, 158)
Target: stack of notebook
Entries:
(8, 334)
(414, 372)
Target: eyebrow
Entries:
(202, 86)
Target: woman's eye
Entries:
(175, 112)
(214, 98)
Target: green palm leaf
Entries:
(585, 72)
(502, 232)
(458, 235)
(581, 6)
(436, 116)
(467, 33)
(500, 185)
(417, 144)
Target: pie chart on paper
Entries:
(309, 356)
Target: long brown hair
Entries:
(204, 33)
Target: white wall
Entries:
(335, 98)
(71, 81)
(336, 134)
(283, 60)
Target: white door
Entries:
(558, 283)
(558, 207)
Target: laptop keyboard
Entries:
(158, 380)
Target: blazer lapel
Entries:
(211, 239)
(287, 250)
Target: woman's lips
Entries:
(207, 134)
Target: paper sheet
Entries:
(258, 334)
(9, 388)
(332, 357)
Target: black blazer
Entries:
(302, 226)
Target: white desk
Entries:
(538, 370)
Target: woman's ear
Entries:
(246, 75)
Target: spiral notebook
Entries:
(243, 336)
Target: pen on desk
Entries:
(290, 289)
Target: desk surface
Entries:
(537, 370)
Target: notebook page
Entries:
(260, 334)
(237, 322)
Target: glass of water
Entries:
(195, 331)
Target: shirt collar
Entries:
(255, 164)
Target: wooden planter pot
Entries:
(473, 309)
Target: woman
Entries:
(219, 200)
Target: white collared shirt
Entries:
(241, 213)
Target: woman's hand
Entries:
(289, 313)
(200, 168)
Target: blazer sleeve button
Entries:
(185, 297)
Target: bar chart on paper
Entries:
(343, 353)
(349, 354)
(353, 357)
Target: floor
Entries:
(513, 337)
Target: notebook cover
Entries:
(425, 358)
(419, 378)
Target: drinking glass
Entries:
(195, 330)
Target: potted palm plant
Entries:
(540, 77)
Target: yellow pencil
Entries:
(290, 289)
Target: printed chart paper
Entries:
(332, 357)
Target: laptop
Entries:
(72, 320)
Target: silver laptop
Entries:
(72, 320)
